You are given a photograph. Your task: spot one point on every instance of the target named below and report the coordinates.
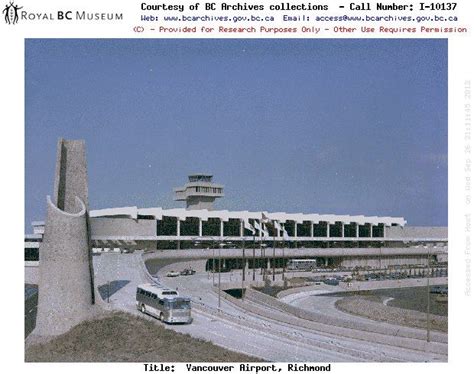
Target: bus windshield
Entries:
(178, 304)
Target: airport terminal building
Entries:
(187, 232)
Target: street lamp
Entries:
(213, 262)
(243, 264)
(428, 322)
(284, 259)
(221, 245)
(264, 260)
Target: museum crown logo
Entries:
(11, 13)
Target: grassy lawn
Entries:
(120, 337)
(366, 307)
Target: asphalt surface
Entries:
(326, 305)
(238, 329)
(126, 269)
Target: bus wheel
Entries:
(143, 308)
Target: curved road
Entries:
(235, 328)
(326, 305)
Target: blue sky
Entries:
(314, 126)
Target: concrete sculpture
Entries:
(66, 291)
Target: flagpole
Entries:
(284, 259)
(283, 252)
(219, 279)
(253, 247)
(273, 277)
(261, 253)
(428, 322)
(243, 266)
(213, 264)
(263, 232)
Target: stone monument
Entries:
(66, 289)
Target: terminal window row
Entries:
(168, 226)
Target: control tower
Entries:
(200, 192)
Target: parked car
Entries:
(331, 282)
(439, 289)
(172, 273)
(188, 271)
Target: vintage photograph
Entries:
(236, 200)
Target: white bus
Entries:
(163, 303)
(301, 265)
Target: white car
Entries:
(172, 273)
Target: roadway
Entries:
(248, 327)
(125, 272)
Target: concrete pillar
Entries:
(357, 230)
(326, 261)
(343, 229)
(200, 226)
(312, 229)
(296, 229)
(241, 228)
(327, 229)
(66, 288)
(71, 175)
(370, 231)
(65, 292)
(222, 228)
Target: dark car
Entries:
(331, 282)
(188, 272)
(443, 290)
